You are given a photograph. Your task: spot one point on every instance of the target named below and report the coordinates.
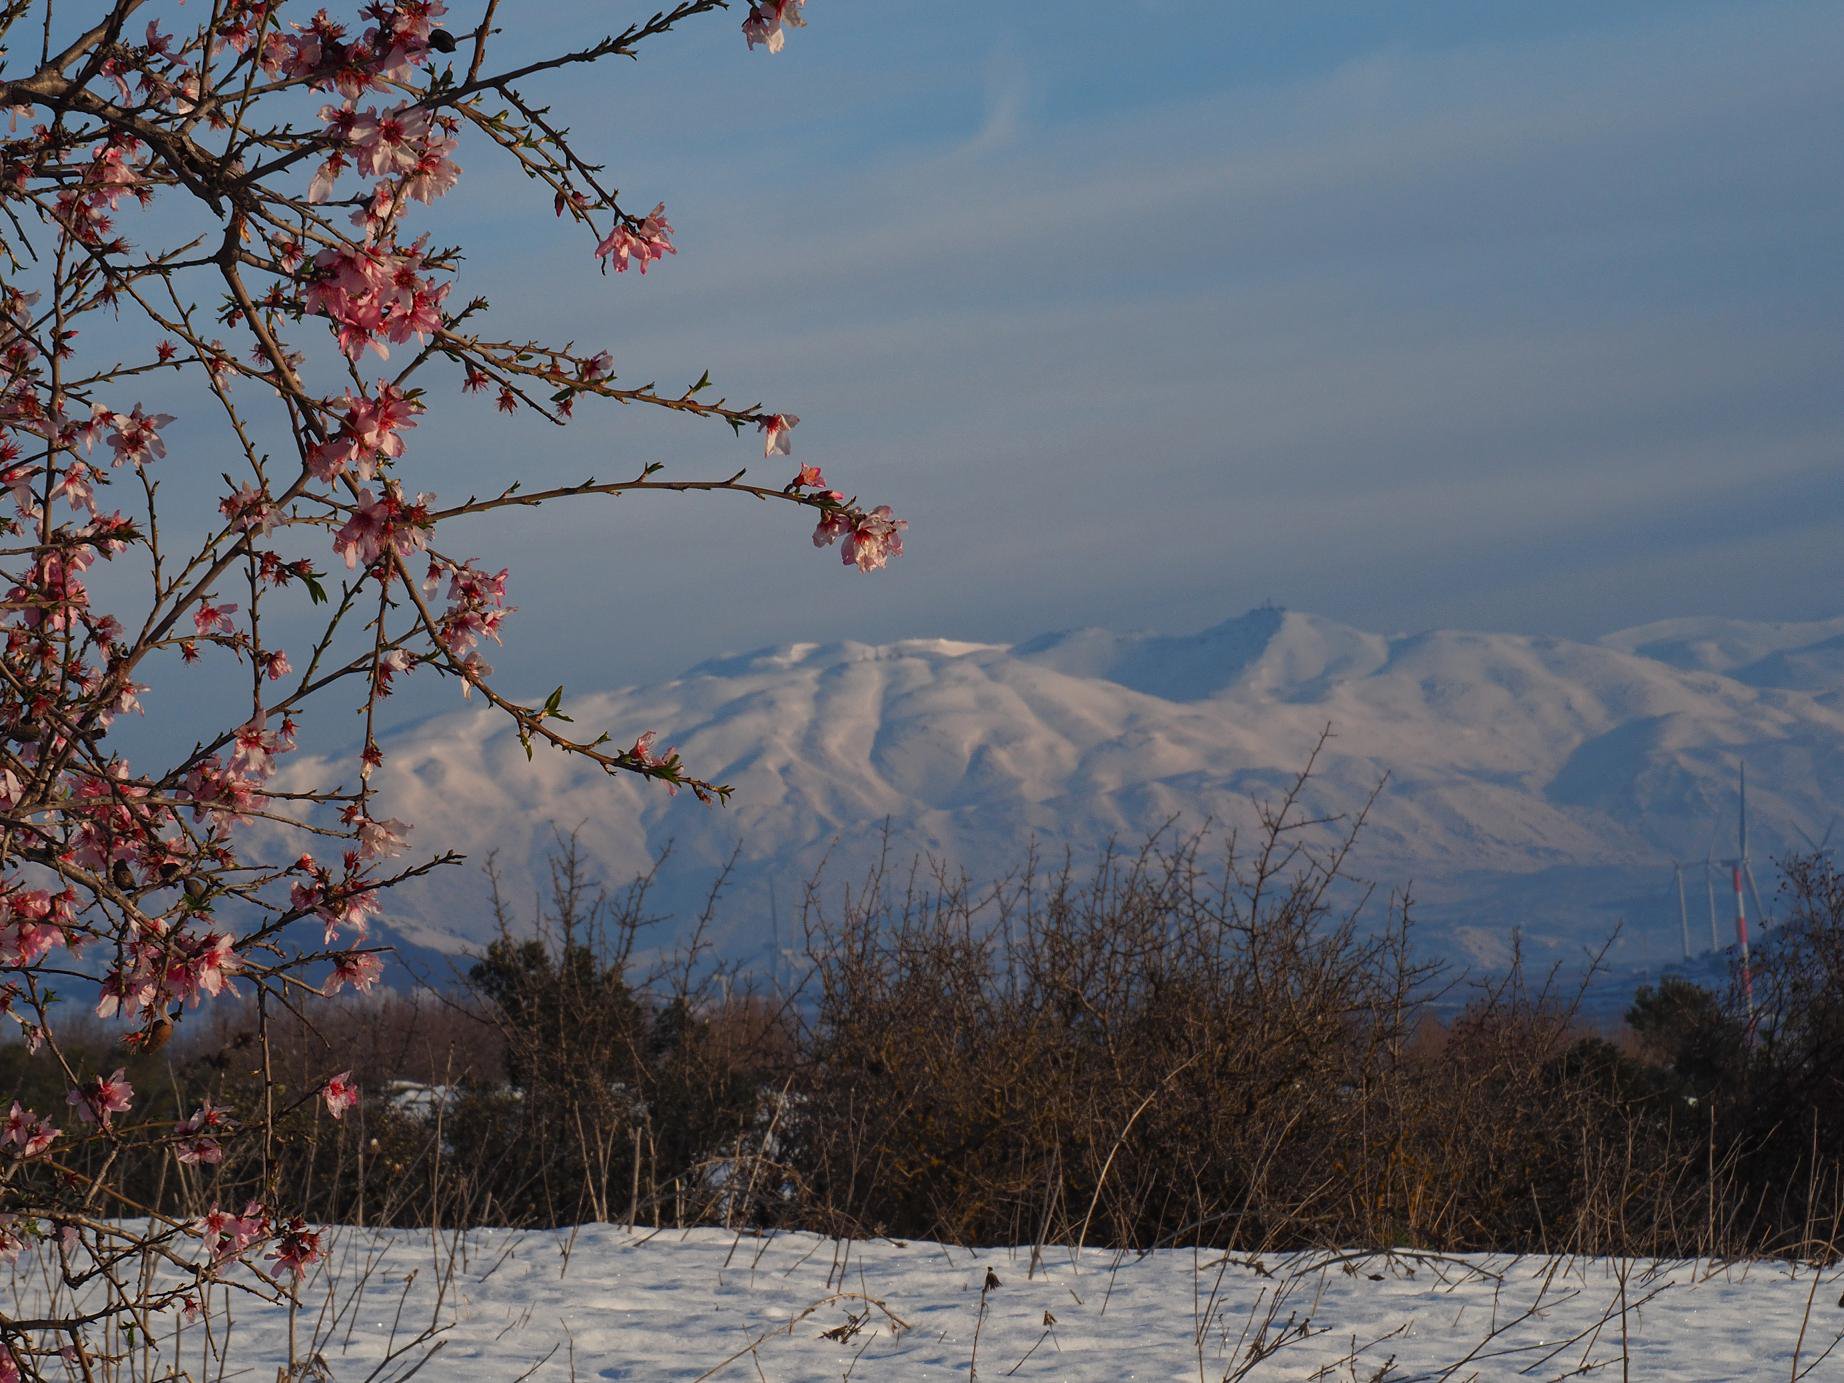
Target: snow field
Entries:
(604, 1302)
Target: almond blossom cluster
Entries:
(640, 244)
(321, 56)
(32, 922)
(198, 1135)
(383, 523)
(476, 608)
(345, 903)
(370, 430)
(227, 1236)
(102, 1096)
(26, 1134)
(83, 206)
(405, 142)
(297, 1248)
(217, 217)
(376, 296)
(168, 963)
(870, 539)
(767, 19)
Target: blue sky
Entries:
(1516, 316)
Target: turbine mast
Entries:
(1741, 939)
(1683, 912)
(1741, 909)
(1709, 887)
(1742, 818)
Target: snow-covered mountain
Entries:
(1533, 782)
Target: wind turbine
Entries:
(1822, 846)
(1741, 878)
(1709, 888)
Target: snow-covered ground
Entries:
(605, 1302)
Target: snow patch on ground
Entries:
(606, 1302)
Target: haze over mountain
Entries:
(1533, 783)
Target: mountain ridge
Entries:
(1535, 782)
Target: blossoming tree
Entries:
(236, 205)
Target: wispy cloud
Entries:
(1412, 306)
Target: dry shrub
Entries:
(1160, 1053)
(1163, 1050)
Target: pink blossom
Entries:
(877, 538)
(57, 599)
(212, 787)
(377, 424)
(320, 186)
(110, 175)
(211, 619)
(203, 969)
(374, 295)
(643, 753)
(227, 1235)
(351, 906)
(77, 487)
(386, 143)
(32, 923)
(651, 239)
(405, 141)
(644, 756)
(128, 698)
(340, 1094)
(87, 433)
(27, 1131)
(297, 1249)
(809, 478)
(382, 524)
(358, 969)
(135, 437)
(114, 991)
(249, 509)
(476, 606)
(24, 942)
(391, 664)
(871, 539)
(197, 1142)
(765, 20)
(381, 839)
(96, 1099)
(834, 524)
(776, 429)
(434, 172)
(207, 1116)
(255, 746)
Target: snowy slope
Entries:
(1808, 656)
(1533, 782)
(607, 1302)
